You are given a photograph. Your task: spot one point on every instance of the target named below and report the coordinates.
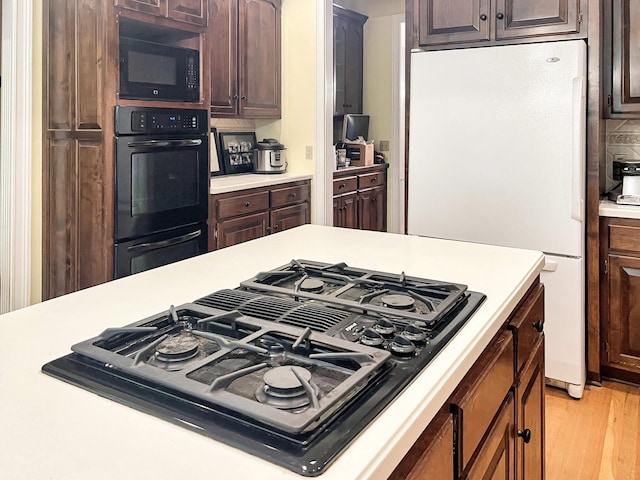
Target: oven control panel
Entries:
(141, 120)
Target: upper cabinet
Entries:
(625, 94)
(347, 60)
(441, 22)
(193, 12)
(244, 43)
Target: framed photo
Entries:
(237, 151)
(216, 166)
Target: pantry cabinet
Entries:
(348, 45)
(360, 198)
(240, 216)
(188, 11)
(620, 312)
(625, 93)
(441, 22)
(497, 410)
(244, 42)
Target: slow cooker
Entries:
(269, 157)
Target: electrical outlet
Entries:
(384, 145)
(308, 152)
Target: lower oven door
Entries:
(152, 251)
(162, 182)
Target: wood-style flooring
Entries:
(595, 438)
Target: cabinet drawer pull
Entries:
(525, 435)
(246, 204)
(539, 325)
(342, 185)
(374, 179)
(293, 195)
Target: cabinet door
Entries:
(447, 21)
(289, 217)
(626, 58)
(223, 45)
(259, 58)
(348, 44)
(371, 209)
(345, 211)
(524, 18)
(530, 419)
(495, 459)
(243, 229)
(624, 314)
(154, 7)
(188, 11)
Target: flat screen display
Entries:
(152, 68)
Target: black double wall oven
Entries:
(161, 186)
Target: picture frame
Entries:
(237, 151)
(216, 166)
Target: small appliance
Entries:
(269, 157)
(629, 174)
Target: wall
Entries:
(623, 137)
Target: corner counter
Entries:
(55, 431)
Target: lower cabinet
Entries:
(360, 198)
(240, 216)
(496, 412)
(620, 299)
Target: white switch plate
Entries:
(308, 152)
(384, 145)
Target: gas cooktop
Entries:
(290, 366)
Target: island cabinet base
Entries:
(492, 426)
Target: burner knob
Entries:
(385, 327)
(371, 338)
(402, 346)
(414, 334)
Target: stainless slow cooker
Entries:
(269, 157)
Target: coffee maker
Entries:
(629, 174)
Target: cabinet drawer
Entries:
(480, 395)
(289, 195)
(525, 326)
(624, 237)
(242, 204)
(345, 185)
(370, 180)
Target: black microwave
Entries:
(152, 71)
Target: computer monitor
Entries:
(355, 125)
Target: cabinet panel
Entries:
(626, 58)
(345, 211)
(444, 21)
(89, 81)
(242, 204)
(239, 230)
(60, 51)
(527, 325)
(524, 18)
(154, 7)
(288, 195)
(345, 185)
(624, 313)
(189, 11)
(371, 211)
(348, 48)
(224, 56)
(624, 237)
(289, 217)
(495, 460)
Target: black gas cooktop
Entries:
(290, 366)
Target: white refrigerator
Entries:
(497, 156)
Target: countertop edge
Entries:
(608, 208)
(246, 181)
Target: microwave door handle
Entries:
(167, 143)
(165, 243)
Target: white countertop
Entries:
(612, 209)
(55, 431)
(244, 181)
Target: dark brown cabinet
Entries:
(620, 357)
(244, 44)
(348, 45)
(237, 217)
(360, 198)
(625, 94)
(188, 11)
(441, 22)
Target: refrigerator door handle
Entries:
(577, 162)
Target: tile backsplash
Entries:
(623, 138)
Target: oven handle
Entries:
(167, 143)
(165, 243)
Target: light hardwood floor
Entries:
(595, 438)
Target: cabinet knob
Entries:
(235, 97)
(374, 180)
(268, 229)
(539, 325)
(246, 204)
(293, 195)
(243, 97)
(525, 435)
(500, 16)
(275, 227)
(483, 17)
(342, 185)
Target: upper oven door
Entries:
(161, 183)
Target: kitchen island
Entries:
(53, 430)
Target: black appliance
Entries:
(161, 186)
(290, 366)
(153, 71)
